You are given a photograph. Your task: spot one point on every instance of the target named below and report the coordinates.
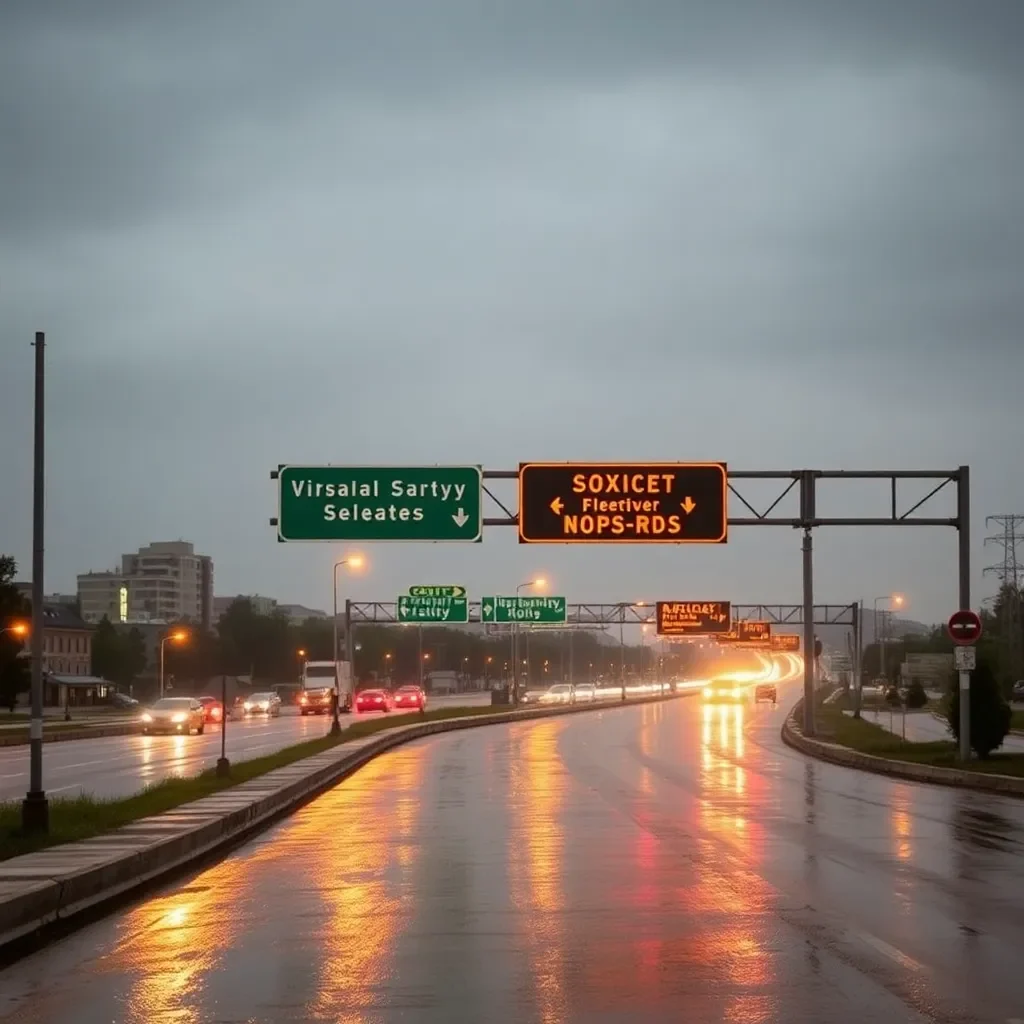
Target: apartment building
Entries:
(164, 581)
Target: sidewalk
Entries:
(926, 727)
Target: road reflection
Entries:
(364, 875)
(730, 897)
(536, 863)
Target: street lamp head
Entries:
(898, 600)
(179, 636)
(302, 652)
(355, 561)
(540, 582)
(19, 629)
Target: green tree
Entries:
(990, 713)
(117, 656)
(15, 671)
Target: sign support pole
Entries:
(809, 729)
(963, 501)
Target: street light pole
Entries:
(539, 582)
(35, 809)
(355, 561)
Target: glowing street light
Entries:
(353, 561)
(178, 636)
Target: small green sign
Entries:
(523, 609)
(437, 591)
(380, 503)
(432, 609)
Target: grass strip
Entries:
(81, 817)
(868, 738)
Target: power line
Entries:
(1010, 573)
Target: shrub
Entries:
(916, 697)
(892, 697)
(990, 714)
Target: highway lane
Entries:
(660, 863)
(118, 766)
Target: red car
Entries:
(374, 700)
(410, 697)
(213, 710)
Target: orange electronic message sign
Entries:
(693, 618)
(631, 503)
(786, 642)
(754, 632)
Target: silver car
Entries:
(586, 691)
(262, 704)
(179, 715)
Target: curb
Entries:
(35, 901)
(1005, 785)
(87, 732)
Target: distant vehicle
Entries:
(173, 714)
(560, 693)
(410, 697)
(123, 701)
(268, 704)
(316, 701)
(725, 691)
(213, 710)
(374, 700)
(330, 675)
(586, 691)
(766, 691)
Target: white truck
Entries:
(321, 679)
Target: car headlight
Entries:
(247, 706)
(179, 718)
(708, 692)
(264, 706)
(147, 717)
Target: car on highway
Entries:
(268, 704)
(123, 702)
(316, 701)
(175, 715)
(560, 693)
(725, 691)
(213, 709)
(766, 691)
(410, 697)
(374, 700)
(586, 691)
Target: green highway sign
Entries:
(522, 609)
(437, 591)
(380, 503)
(432, 609)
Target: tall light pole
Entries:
(897, 601)
(35, 808)
(354, 562)
(538, 582)
(179, 636)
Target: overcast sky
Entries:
(780, 234)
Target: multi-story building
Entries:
(298, 613)
(164, 581)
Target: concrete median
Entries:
(793, 736)
(41, 892)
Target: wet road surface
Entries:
(662, 863)
(118, 766)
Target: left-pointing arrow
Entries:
(557, 506)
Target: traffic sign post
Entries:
(964, 629)
(523, 609)
(632, 503)
(411, 608)
(693, 618)
(380, 503)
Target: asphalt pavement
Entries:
(660, 863)
(118, 766)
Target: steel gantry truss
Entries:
(805, 483)
(624, 613)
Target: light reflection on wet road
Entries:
(659, 863)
